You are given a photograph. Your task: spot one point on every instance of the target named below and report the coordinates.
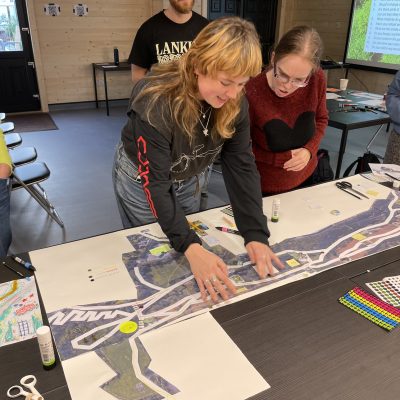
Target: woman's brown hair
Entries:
(301, 40)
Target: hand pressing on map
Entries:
(300, 158)
(210, 272)
(263, 257)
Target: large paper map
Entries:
(167, 292)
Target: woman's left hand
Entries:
(264, 258)
(300, 158)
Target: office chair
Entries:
(29, 177)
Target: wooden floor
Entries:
(80, 157)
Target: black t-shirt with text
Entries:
(160, 40)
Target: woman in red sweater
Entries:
(288, 112)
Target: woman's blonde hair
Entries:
(301, 40)
(229, 45)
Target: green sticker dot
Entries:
(128, 327)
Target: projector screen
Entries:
(373, 40)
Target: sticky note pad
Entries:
(292, 263)
(372, 308)
(359, 236)
(164, 248)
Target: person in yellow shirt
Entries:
(5, 172)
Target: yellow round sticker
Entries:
(128, 327)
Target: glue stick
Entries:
(46, 347)
(276, 205)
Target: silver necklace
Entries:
(204, 113)
(203, 116)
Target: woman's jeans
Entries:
(131, 199)
(5, 229)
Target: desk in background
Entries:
(347, 121)
(105, 68)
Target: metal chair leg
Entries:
(372, 139)
(43, 201)
(43, 191)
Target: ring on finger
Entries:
(214, 279)
(206, 281)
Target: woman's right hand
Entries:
(210, 272)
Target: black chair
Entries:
(29, 177)
(12, 140)
(23, 155)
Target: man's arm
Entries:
(137, 73)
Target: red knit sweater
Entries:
(281, 124)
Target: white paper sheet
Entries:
(374, 103)
(390, 172)
(179, 350)
(63, 272)
(332, 96)
(202, 361)
(196, 356)
(85, 374)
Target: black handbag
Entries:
(323, 172)
(362, 163)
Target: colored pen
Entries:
(25, 264)
(391, 176)
(13, 270)
(229, 222)
(227, 230)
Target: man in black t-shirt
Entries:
(165, 37)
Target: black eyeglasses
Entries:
(295, 82)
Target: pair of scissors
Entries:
(29, 381)
(346, 186)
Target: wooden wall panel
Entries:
(69, 45)
(66, 46)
